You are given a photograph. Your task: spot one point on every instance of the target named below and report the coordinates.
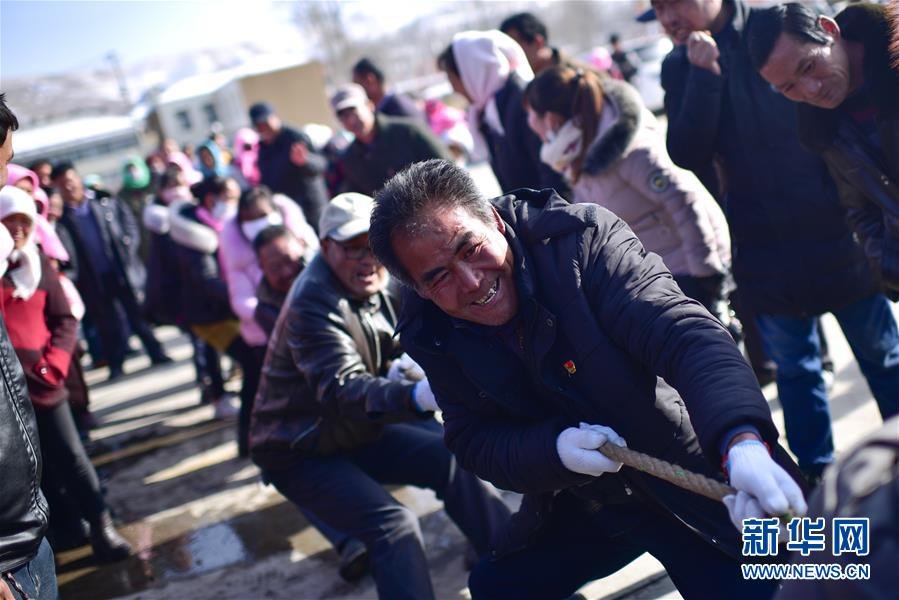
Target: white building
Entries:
(94, 144)
(186, 110)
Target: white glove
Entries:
(405, 369)
(423, 397)
(577, 449)
(763, 487)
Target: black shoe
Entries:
(353, 561)
(108, 544)
(115, 373)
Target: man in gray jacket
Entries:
(335, 419)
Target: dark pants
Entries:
(576, 547)
(346, 492)
(250, 359)
(36, 579)
(66, 464)
(110, 327)
(208, 367)
(752, 339)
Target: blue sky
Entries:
(41, 37)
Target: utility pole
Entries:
(113, 58)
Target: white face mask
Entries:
(562, 147)
(222, 211)
(252, 228)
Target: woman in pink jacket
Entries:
(258, 209)
(599, 134)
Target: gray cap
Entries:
(346, 216)
(348, 96)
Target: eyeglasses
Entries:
(355, 252)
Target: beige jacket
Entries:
(628, 171)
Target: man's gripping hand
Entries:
(577, 449)
(763, 487)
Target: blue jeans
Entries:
(795, 345)
(36, 578)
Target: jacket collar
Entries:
(741, 15)
(614, 138)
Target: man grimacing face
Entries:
(462, 264)
(817, 74)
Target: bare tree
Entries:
(322, 21)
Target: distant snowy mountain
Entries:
(95, 91)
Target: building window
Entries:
(183, 119)
(211, 115)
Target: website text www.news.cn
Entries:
(806, 571)
(807, 536)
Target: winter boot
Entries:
(108, 544)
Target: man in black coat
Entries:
(26, 560)
(110, 273)
(546, 330)
(288, 162)
(794, 255)
(334, 419)
(842, 74)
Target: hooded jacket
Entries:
(628, 171)
(43, 332)
(605, 328)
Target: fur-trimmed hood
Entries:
(188, 232)
(612, 141)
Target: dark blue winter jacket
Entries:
(793, 253)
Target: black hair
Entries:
(169, 176)
(765, 26)
(8, 121)
(269, 234)
(365, 66)
(60, 169)
(36, 164)
(408, 200)
(446, 61)
(253, 195)
(614, 38)
(526, 24)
